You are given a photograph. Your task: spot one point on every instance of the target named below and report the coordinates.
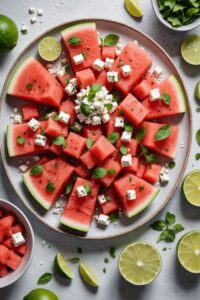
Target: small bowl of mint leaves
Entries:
(179, 15)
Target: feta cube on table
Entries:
(78, 59)
(98, 65)
(164, 178)
(40, 140)
(119, 122)
(112, 76)
(63, 117)
(131, 194)
(81, 192)
(34, 124)
(70, 89)
(157, 72)
(126, 160)
(126, 136)
(103, 220)
(102, 199)
(126, 70)
(18, 239)
(154, 94)
(33, 20)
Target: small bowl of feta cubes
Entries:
(16, 243)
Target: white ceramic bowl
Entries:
(15, 275)
(163, 21)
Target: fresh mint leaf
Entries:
(111, 171)
(50, 187)
(172, 165)
(123, 149)
(111, 40)
(178, 228)
(197, 156)
(89, 143)
(198, 137)
(113, 217)
(85, 109)
(128, 127)
(74, 40)
(60, 141)
(99, 173)
(167, 235)
(76, 127)
(112, 252)
(140, 134)
(163, 132)
(29, 86)
(93, 90)
(45, 278)
(170, 218)
(166, 98)
(36, 170)
(109, 106)
(151, 158)
(87, 188)
(159, 225)
(113, 137)
(20, 140)
(68, 188)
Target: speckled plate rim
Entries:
(145, 220)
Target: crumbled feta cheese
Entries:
(40, 12)
(17, 119)
(77, 109)
(108, 98)
(74, 81)
(98, 65)
(98, 106)
(60, 72)
(23, 168)
(164, 178)
(102, 199)
(33, 20)
(32, 10)
(70, 89)
(119, 122)
(131, 194)
(96, 120)
(36, 158)
(12, 116)
(40, 140)
(126, 136)
(114, 106)
(105, 118)
(108, 62)
(18, 239)
(78, 59)
(81, 192)
(135, 42)
(126, 70)
(154, 94)
(103, 220)
(157, 72)
(34, 124)
(63, 117)
(119, 45)
(112, 76)
(82, 118)
(15, 109)
(118, 52)
(126, 160)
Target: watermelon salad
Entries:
(12, 243)
(93, 123)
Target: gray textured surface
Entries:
(173, 283)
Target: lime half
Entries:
(188, 251)
(140, 263)
(197, 90)
(88, 276)
(190, 50)
(49, 48)
(191, 187)
(62, 266)
(41, 294)
(133, 7)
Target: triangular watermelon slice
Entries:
(31, 81)
(158, 109)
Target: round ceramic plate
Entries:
(124, 225)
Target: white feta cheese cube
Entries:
(74, 81)
(164, 178)
(32, 10)
(104, 90)
(157, 72)
(96, 120)
(23, 168)
(81, 192)
(79, 96)
(119, 45)
(70, 89)
(131, 194)
(100, 95)
(102, 199)
(78, 59)
(126, 136)
(112, 76)
(34, 124)
(114, 106)
(126, 160)
(119, 122)
(126, 70)
(109, 62)
(118, 52)
(99, 106)
(40, 140)
(36, 158)
(40, 12)
(109, 98)
(63, 117)
(33, 20)
(98, 65)
(105, 118)
(154, 94)
(28, 162)
(88, 121)
(103, 220)
(17, 119)
(18, 239)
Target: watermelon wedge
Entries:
(57, 172)
(158, 109)
(87, 34)
(31, 81)
(78, 212)
(145, 194)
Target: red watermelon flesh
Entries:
(89, 159)
(68, 107)
(112, 204)
(140, 62)
(102, 79)
(140, 170)
(3, 254)
(57, 150)
(5, 227)
(3, 270)
(75, 145)
(78, 212)
(110, 164)
(166, 147)
(142, 90)
(102, 148)
(88, 45)
(81, 170)
(30, 111)
(93, 132)
(85, 78)
(19, 250)
(108, 52)
(13, 260)
(152, 173)
(56, 128)
(31, 81)
(56, 172)
(17, 228)
(110, 125)
(64, 80)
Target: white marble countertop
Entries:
(173, 282)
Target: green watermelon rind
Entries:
(72, 28)
(19, 68)
(74, 225)
(144, 205)
(46, 205)
(9, 139)
(180, 93)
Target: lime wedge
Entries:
(191, 187)
(188, 251)
(88, 276)
(49, 48)
(133, 7)
(62, 266)
(140, 263)
(197, 90)
(190, 50)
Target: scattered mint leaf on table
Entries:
(198, 137)
(45, 278)
(167, 235)
(197, 156)
(178, 228)
(172, 165)
(159, 225)
(170, 218)
(112, 252)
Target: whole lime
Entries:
(41, 294)
(8, 34)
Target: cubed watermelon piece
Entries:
(110, 125)
(112, 204)
(3, 270)
(152, 173)
(8, 243)
(5, 226)
(134, 110)
(140, 62)
(89, 159)
(85, 78)
(78, 212)
(131, 146)
(20, 250)
(102, 79)
(30, 111)
(4, 252)
(64, 80)
(141, 169)
(13, 260)
(145, 193)
(108, 51)
(68, 107)
(102, 148)
(75, 145)
(55, 128)
(134, 167)
(110, 165)
(57, 150)
(81, 170)
(93, 132)
(142, 90)
(17, 228)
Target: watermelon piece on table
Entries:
(133, 110)
(85, 78)
(3, 254)
(88, 45)
(29, 147)
(13, 260)
(102, 148)
(112, 204)
(56, 172)
(92, 132)
(140, 62)
(68, 107)
(89, 159)
(56, 128)
(152, 173)
(78, 212)
(31, 81)
(102, 79)
(75, 145)
(30, 111)
(108, 52)
(64, 80)
(3, 270)
(110, 165)
(166, 147)
(145, 194)
(158, 109)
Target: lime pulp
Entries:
(133, 7)
(190, 49)
(49, 48)
(62, 266)
(88, 275)
(191, 187)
